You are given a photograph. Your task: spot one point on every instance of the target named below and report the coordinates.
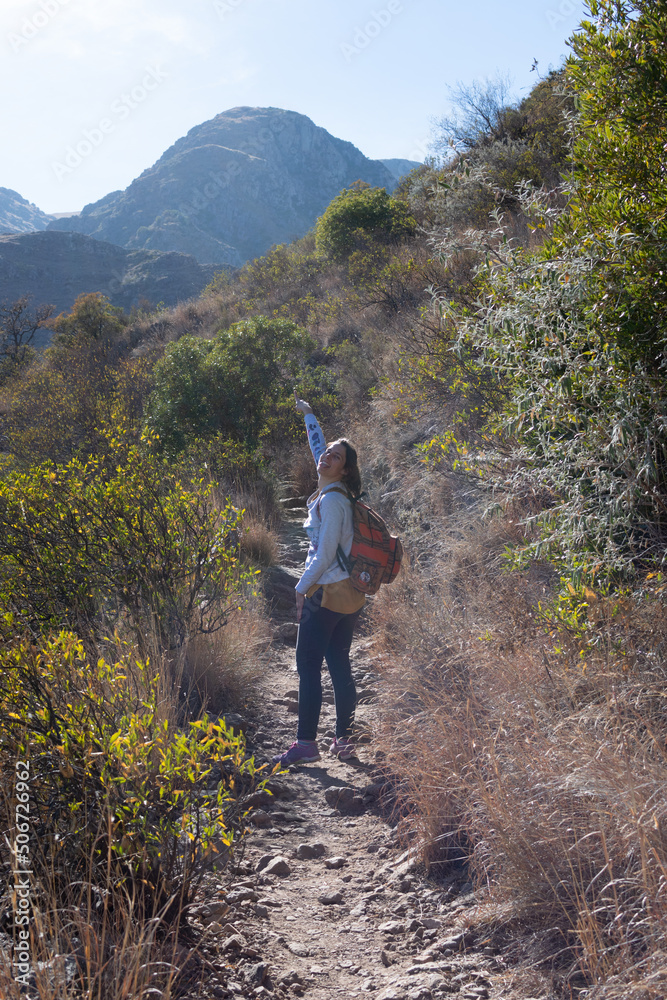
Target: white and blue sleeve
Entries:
(315, 436)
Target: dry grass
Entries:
(87, 949)
(302, 478)
(546, 769)
(89, 936)
(201, 317)
(258, 543)
(225, 668)
(258, 499)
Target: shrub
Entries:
(576, 333)
(18, 326)
(57, 408)
(116, 794)
(485, 116)
(317, 384)
(92, 318)
(582, 420)
(386, 279)
(129, 536)
(286, 273)
(358, 213)
(619, 211)
(228, 385)
(358, 367)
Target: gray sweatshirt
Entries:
(328, 526)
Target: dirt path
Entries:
(327, 906)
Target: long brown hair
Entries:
(351, 474)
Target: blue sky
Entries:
(121, 80)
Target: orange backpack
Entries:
(375, 556)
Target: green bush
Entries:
(124, 537)
(227, 385)
(286, 272)
(116, 794)
(237, 388)
(92, 318)
(316, 383)
(576, 333)
(359, 213)
(619, 212)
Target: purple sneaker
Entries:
(343, 748)
(298, 753)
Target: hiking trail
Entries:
(325, 902)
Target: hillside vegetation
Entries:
(492, 336)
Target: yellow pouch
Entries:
(340, 596)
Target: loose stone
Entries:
(330, 898)
(240, 896)
(235, 943)
(305, 852)
(260, 819)
(278, 866)
(298, 948)
(392, 927)
(255, 975)
(339, 795)
(335, 862)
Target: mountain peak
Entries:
(18, 215)
(232, 187)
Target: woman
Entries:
(327, 606)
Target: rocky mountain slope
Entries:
(399, 168)
(231, 188)
(18, 215)
(56, 267)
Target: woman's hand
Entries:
(301, 405)
(299, 605)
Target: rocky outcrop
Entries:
(17, 215)
(232, 187)
(56, 267)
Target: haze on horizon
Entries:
(121, 80)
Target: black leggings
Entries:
(324, 634)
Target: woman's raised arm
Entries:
(301, 405)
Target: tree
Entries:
(92, 319)
(360, 213)
(620, 206)
(576, 333)
(18, 326)
(227, 385)
(478, 115)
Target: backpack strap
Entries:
(344, 492)
(343, 560)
